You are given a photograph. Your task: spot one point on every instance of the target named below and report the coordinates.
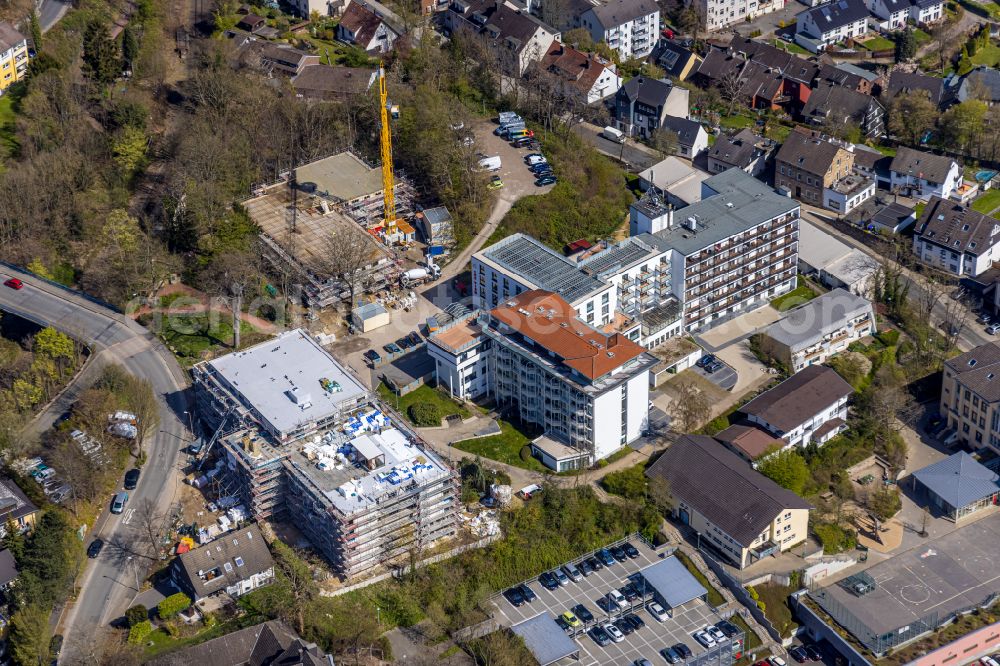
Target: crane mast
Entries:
(388, 180)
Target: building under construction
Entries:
(301, 440)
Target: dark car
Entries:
(545, 180)
(94, 549)
(799, 654)
(670, 655)
(814, 654)
(599, 636)
(618, 553)
(373, 356)
(404, 343)
(55, 646)
(713, 367)
(636, 621)
(631, 551)
(727, 628)
(605, 556)
(414, 338)
(683, 650)
(705, 360)
(392, 348)
(514, 596)
(624, 626)
(583, 613)
(585, 568)
(630, 592)
(594, 563)
(539, 168)
(528, 594)
(131, 479)
(548, 581)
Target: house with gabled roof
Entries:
(924, 175)
(956, 239)
(630, 27)
(235, 563)
(832, 22)
(585, 76)
(515, 37)
(363, 27)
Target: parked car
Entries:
(118, 503)
(599, 636)
(392, 348)
(714, 366)
(705, 360)
(55, 647)
(132, 479)
(545, 180)
(404, 343)
(616, 598)
(544, 167)
(642, 662)
(618, 553)
(988, 661)
(683, 650)
(715, 633)
(814, 654)
(624, 626)
(776, 661)
(656, 610)
(614, 632)
(523, 142)
(560, 577)
(415, 338)
(94, 549)
(604, 555)
(630, 551)
(583, 613)
(636, 621)
(585, 568)
(571, 619)
(514, 596)
(728, 628)
(670, 655)
(798, 653)
(594, 563)
(704, 638)
(573, 573)
(992, 329)
(495, 183)
(373, 356)
(528, 594)
(548, 581)
(629, 591)
(13, 283)
(535, 158)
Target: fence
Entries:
(742, 596)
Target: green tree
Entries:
(911, 115)
(100, 53)
(297, 584)
(356, 57)
(136, 614)
(129, 149)
(906, 45)
(138, 632)
(130, 46)
(788, 469)
(962, 123)
(55, 344)
(884, 503)
(36, 31)
(13, 540)
(173, 605)
(29, 635)
(579, 38)
(48, 562)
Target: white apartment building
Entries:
(588, 390)
(970, 397)
(808, 407)
(717, 14)
(924, 175)
(830, 23)
(956, 239)
(460, 353)
(630, 27)
(732, 252)
(815, 331)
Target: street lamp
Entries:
(190, 422)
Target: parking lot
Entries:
(591, 591)
(725, 377)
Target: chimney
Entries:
(612, 340)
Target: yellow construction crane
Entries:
(388, 180)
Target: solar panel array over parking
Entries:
(526, 257)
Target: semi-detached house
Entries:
(642, 105)
(825, 25)
(738, 511)
(584, 76)
(516, 38)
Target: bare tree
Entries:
(347, 254)
(730, 87)
(151, 524)
(690, 406)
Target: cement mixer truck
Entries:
(416, 276)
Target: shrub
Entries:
(138, 632)
(525, 453)
(889, 338)
(753, 593)
(716, 425)
(136, 614)
(173, 605)
(833, 537)
(761, 605)
(630, 483)
(469, 495)
(424, 414)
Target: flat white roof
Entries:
(819, 249)
(289, 380)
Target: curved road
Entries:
(108, 583)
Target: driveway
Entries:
(748, 367)
(725, 377)
(635, 156)
(737, 329)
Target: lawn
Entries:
(190, 337)
(988, 56)
(919, 208)
(878, 44)
(987, 203)
(797, 296)
(425, 395)
(8, 142)
(715, 598)
(790, 47)
(737, 121)
(505, 447)
(777, 132)
(921, 37)
(160, 642)
(776, 608)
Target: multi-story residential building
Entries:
(717, 14)
(731, 252)
(13, 56)
(643, 104)
(741, 513)
(585, 388)
(832, 22)
(810, 407)
(807, 165)
(842, 105)
(301, 439)
(515, 37)
(815, 331)
(956, 239)
(630, 27)
(520, 263)
(584, 76)
(745, 150)
(924, 175)
(970, 397)
(461, 357)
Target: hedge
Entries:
(136, 614)
(425, 415)
(173, 605)
(138, 632)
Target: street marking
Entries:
(128, 516)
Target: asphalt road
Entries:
(634, 158)
(108, 583)
(50, 11)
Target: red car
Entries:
(13, 283)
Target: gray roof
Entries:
(932, 168)
(651, 92)
(805, 325)
(542, 267)
(9, 36)
(951, 225)
(741, 202)
(979, 370)
(234, 556)
(673, 582)
(280, 379)
(809, 152)
(547, 642)
(959, 480)
(722, 487)
(687, 131)
(906, 82)
(844, 103)
(985, 77)
(619, 12)
(799, 398)
(741, 149)
(437, 215)
(837, 14)
(892, 215)
(369, 310)
(270, 642)
(8, 567)
(625, 254)
(14, 504)
(673, 57)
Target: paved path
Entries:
(108, 582)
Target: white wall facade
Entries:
(929, 14)
(845, 203)
(465, 374)
(801, 435)
(924, 189)
(716, 14)
(956, 263)
(621, 415)
(631, 39)
(807, 25)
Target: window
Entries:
(228, 567)
(239, 561)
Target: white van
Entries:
(612, 134)
(490, 163)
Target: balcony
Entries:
(748, 264)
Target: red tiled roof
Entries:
(578, 69)
(361, 21)
(548, 320)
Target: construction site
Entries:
(298, 439)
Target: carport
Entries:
(672, 583)
(546, 640)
